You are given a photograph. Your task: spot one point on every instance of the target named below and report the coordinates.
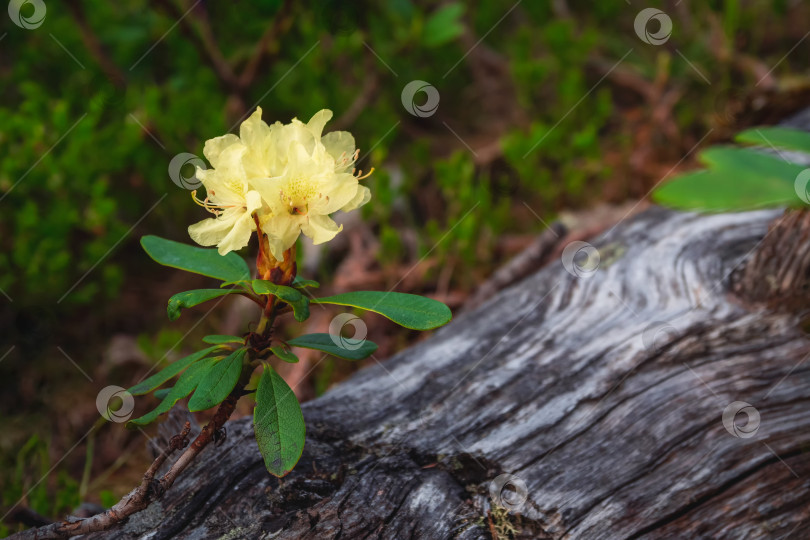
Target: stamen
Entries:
(343, 161)
(215, 209)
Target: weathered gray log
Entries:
(603, 395)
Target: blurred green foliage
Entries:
(30, 482)
(737, 179)
(85, 151)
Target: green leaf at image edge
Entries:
(218, 382)
(347, 348)
(187, 299)
(737, 179)
(207, 262)
(147, 385)
(778, 137)
(278, 423)
(408, 310)
(185, 385)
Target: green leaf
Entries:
(444, 25)
(161, 393)
(207, 262)
(220, 339)
(301, 283)
(193, 298)
(185, 385)
(737, 179)
(244, 283)
(350, 349)
(408, 310)
(299, 302)
(284, 354)
(147, 385)
(779, 137)
(218, 382)
(278, 423)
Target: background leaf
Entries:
(193, 298)
(218, 382)
(737, 179)
(444, 25)
(207, 262)
(779, 137)
(278, 423)
(350, 349)
(409, 310)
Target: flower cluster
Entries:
(289, 176)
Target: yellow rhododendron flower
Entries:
(301, 177)
(229, 198)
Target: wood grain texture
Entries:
(604, 395)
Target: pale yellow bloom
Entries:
(290, 175)
(229, 198)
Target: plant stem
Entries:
(260, 329)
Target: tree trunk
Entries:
(602, 396)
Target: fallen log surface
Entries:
(601, 396)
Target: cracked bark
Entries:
(551, 381)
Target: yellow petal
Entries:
(318, 121)
(214, 147)
(300, 159)
(270, 191)
(338, 190)
(239, 236)
(254, 130)
(256, 135)
(230, 161)
(210, 232)
(282, 232)
(320, 228)
(294, 132)
(253, 201)
(340, 145)
(362, 197)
